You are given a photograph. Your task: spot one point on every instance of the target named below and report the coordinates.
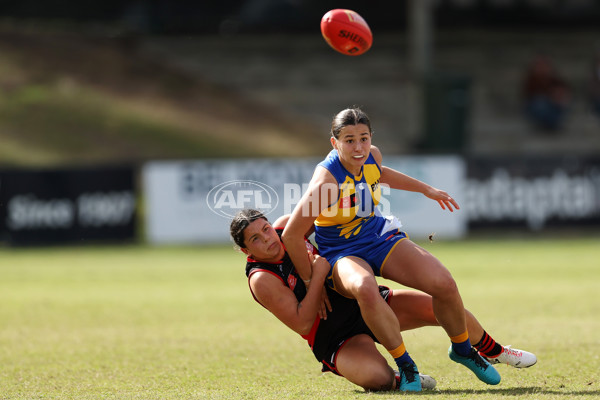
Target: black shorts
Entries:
(342, 323)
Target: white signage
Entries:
(194, 201)
(421, 216)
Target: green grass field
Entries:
(179, 323)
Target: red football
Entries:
(346, 31)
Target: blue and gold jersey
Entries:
(350, 217)
(351, 225)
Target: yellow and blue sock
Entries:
(461, 344)
(401, 355)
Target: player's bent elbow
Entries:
(303, 331)
(285, 236)
(289, 238)
(305, 326)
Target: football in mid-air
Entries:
(346, 31)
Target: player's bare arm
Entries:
(281, 301)
(281, 222)
(314, 200)
(400, 181)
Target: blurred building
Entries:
(271, 52)
(271, 55)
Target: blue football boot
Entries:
(482, 369)
(407, 378)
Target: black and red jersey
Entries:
(343, 322)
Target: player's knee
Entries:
(380, 381)
(366, 290)
(445, 287)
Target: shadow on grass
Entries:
(503, 392)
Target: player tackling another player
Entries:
(360, 244)
(341, 340)
(356, 244)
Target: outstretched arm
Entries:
(398, 180)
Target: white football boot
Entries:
(427, 382)
(513, 357)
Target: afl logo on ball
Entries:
(227, 198)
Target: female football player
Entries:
(360, 243)
(340, 340)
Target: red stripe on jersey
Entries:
(250, 259)
(310, 338)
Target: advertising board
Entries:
(67, 205)
(194, 201)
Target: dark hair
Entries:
(349, 116)
(240, 222)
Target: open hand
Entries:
(444, 199)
